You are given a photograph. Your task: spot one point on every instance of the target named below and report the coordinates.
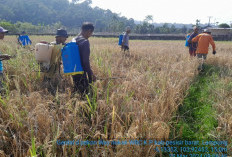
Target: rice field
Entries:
(156, 76)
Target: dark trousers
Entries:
(81, 84)
(192, 53)
(125, 48)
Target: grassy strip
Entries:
(197, 119)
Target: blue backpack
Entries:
(120, 39)
(186, 41)
(71, 59)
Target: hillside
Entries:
(69, 14)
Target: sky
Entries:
(171, 11)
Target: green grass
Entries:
(33, 147)
(196, 117)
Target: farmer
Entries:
(2, 56)
(82, 81)
(24, 39)
(61, 37)
(193, 45)
(53, 72)
(125, 40)
(204, 39)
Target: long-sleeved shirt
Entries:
(204, 40)
(125, 40)
(84, 50)
(24, 40)
(192, 45)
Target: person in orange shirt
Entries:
(204, 39)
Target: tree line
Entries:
(71, 15)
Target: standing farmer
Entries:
(53, 73)
(125, 39)
(82, 81)
(204, 39)
(61, 37)
(2, 56)
(193, 45)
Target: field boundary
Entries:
(196, 118)
(144, 36)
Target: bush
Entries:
(9, 26)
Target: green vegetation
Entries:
(41, 16)
(45, 13)
(146, 27)
(18, 27)
(197, 117)
(224, 25)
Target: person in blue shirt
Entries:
(24, 39)
(2, 56)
